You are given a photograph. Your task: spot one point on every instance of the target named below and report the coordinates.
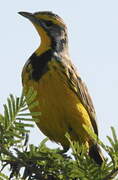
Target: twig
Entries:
(113, 173)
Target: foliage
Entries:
(26, 161)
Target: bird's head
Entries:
(51, 28)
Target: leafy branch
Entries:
(26, 161)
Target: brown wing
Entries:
(87, 102)
(81, 90)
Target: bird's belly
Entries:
(61, 109)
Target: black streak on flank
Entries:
(39, 64)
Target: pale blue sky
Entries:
(93, 42)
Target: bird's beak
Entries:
(28, 15)
(32, 18)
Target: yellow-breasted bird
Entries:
(64, 100)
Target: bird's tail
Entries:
(96, 154)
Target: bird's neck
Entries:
(58, 45)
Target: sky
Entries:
(93, 45)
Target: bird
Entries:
(64, 100)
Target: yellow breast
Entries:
(61, 109)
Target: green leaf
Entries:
(10, 109)
(3, 177)
(114, 135)
(23, 124)
(110, 140)
(25, 119)
(22, 101)
(17, 103)
(13, 104)
(30, 114)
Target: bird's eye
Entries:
(49, 23)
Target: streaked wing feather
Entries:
(79, 87)
(88, 104)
